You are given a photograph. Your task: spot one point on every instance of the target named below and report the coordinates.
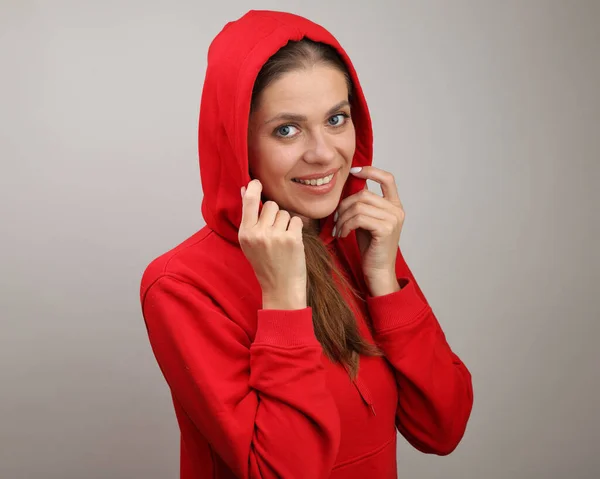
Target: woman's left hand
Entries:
(378, 223)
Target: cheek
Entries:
(348, 145)
(271, 161)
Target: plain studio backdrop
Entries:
(487, 113)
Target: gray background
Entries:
(486, 112)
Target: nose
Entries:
(320, 149)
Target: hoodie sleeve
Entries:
(434, 386)
(263, 407)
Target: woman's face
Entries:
(301, 128)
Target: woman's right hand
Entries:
(273, 245)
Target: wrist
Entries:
(383, 284)
(283, 302)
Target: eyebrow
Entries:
(299, 118)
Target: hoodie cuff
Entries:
(285, 328)
(396, 309)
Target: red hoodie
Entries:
(254, 394)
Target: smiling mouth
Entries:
(315, 181)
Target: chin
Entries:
(318, 212)
(316, 208)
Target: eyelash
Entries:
(343, 114)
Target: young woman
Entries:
(290, 330)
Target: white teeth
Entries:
(316, 182)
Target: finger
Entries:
(295, 226)
(282, 220)
(377, 221)
(364, 196)
(358, 209)
(384, 178)
(250, 204)
(268, 214)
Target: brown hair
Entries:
(334, 322)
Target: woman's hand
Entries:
(378, 223)
(273, 245)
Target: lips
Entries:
(318, 189)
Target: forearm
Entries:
(435, 391)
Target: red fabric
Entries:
(254, 395)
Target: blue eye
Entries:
(338, 120)
(285, 131)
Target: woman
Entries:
(292, 334)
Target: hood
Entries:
(235, 58)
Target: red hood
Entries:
(235, 57)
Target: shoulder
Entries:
(206, 278)
(199, 258)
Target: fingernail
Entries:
(335, 216)
(243, 190)
(333, 232)
(356, 169)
